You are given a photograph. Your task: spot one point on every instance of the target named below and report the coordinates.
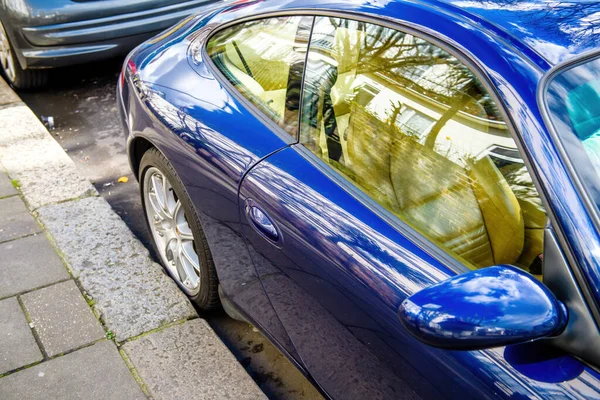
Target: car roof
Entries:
(557, 30)
(553, 31)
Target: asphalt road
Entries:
(82, 102)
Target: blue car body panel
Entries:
(337, 285)
(321, 305)
(555, 30)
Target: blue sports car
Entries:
(402, 195)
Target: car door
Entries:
(405, 174)
(262, 61)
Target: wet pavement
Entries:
(82, 103)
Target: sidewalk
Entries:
(84, 311)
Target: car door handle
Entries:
(261, 222)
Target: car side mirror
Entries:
(484, 308)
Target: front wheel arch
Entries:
(137, 148)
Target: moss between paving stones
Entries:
(135, 373)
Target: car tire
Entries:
(18, 77)
(205, 296)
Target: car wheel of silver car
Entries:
(176, 232)
(17, 76)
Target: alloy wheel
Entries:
(6, 58)
(170, 230)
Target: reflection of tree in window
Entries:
(416, 64)
(409, 124)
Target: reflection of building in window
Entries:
(413, 73)
(460, 138)
(414, 123)
(441, 80)
(365, 94)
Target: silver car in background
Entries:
(39, 34)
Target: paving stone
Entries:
(7, 95)
(45, 172)
(189, 361)
(19, 123)
(17, 345)
(16, 220)
(95, 372)
(6, 187)
(131, 292)
(27, 264)
(62, 318)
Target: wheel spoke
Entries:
(10, 67)
(159, 192)
(177, 212)
(162, 192)
(188, 266)
(183, 228)
(159, 226)
(186, 235)
(156, 206)
(181, 274)
(188, 252)
(169, 196)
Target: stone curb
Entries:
(130, 292)
(127, 290)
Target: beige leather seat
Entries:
(534, 215)
(470, 210)
(268, 66)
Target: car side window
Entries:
(412, 126)
(264, 60)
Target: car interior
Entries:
(478, 205)
(256, 60)
(460, 190)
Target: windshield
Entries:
(573, 99)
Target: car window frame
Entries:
(541, 94)
(422, 32)
(287, 137)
